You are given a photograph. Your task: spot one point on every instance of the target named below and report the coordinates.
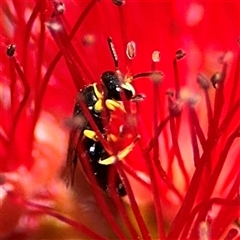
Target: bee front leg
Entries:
(121, 154)
(114, 105)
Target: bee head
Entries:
(115, 87)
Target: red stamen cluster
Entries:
(207, 210)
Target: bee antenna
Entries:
(113, 52)
(148, 74)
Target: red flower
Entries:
(182, 173)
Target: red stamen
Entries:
(219, 100)
(25, 96)
(209, 110)
(178, 152)
(123, 32)
(155, 121)
(204, 84)
(227, 214)
(215, 175)
(75, 224)
(194, 186)
(179, 55)
(57, 57)
(167, 180)
(119, 204)
(157, 163)
(28, 29)
(132, 172)
(74, 63)
(157, 133)
(17, 115)
(41, 45)
(20, 10)
(142, 226)
(13, 78)
(196, 154)
(198, 129)
(98, 195)
(235, 84)
(218, 168)
(156, 195)
(229, 178)
(122, 210)
(208, 205)
(233, 232)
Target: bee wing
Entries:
(72, 154)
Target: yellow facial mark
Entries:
(128, 86)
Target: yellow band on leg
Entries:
(114, 105)
(90, 134)
(121, 155)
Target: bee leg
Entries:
(114, 105)
(121, 154)
(90, 134)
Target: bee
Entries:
(101, 100)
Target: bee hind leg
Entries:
(121, 154)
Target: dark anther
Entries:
(59, 8)
(175, 108)
(180, 54)
(203, 81)
(216, 79)
(11, 50)
(118, 2)
(174, 105)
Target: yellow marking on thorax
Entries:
(98, 94)
(99, 104)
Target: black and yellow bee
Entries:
(101, 99)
